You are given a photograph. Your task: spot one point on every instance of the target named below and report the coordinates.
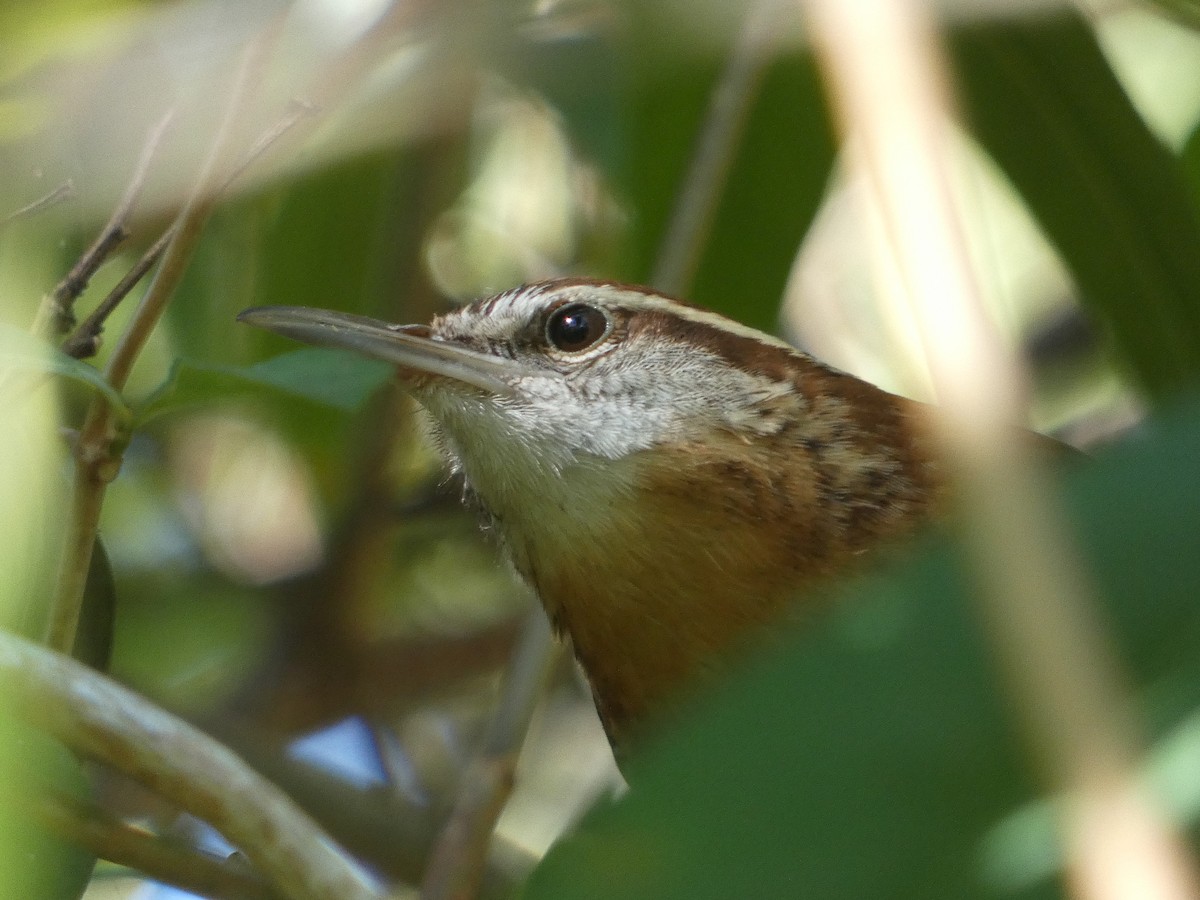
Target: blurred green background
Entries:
(287, 553)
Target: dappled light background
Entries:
(291, 565)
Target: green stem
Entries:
(98, 452)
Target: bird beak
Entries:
(412, 347)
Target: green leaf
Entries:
(874, 755)
(776, 186)
(21, 350)
(330, 378)
(1043, 101)
(638, 105)
(773, 189)
(322, 240)
(1189, 157)
(98, 611)
(34, 863)
(1185, 12)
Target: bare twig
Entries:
(56, 313)
(729, 108)
(886, 71)
(60, 194)
(188, 227)
(97, 717)
(460, 857)
(325, 667)
(85, 341)
(100, 444)
(297, 111)
(102, 719)
(108, 838)
(391, 832)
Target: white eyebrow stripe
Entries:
(711, 319)
(523, 303)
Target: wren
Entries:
(665, 479)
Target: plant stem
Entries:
(99, 718)
(458, 862)
(60, 194)
(161, 860)
(728, 109)
(56, 313)
(885, 67)
(100, 445)
(85, 341)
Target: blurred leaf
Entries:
(1042, 99)
(1185, 12)
(1190, 158)
(653, 99)
(776, 186)
(773, 190)
(189, 644)
(330, 378)
(33, 491)
(23, 351)
(320, 240)
(97, 614)
(579, 72)
(34, 864)
(872, 755)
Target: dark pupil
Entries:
(575, 328)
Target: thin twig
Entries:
(188, 227)
(85, 341)
(60, 194)
(390, 754)
(885, 68)
(97, 832)
(101, 719)
(392, 832)
(56, 314)
(297, 111)
(100, 444)
(460, 858)
(729, 108)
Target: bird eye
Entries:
(576, 327)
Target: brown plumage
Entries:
(666, 480)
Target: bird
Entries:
(668, 481)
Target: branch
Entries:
(97, 717)
(56, 313)
(460, 858)
(729, 108)
(85, 341)
(187, 229)
(101, 443)
(60, 194)
(888, 77)
(108, 838)
(390, 831)
(297, 111)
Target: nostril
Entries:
(419, 331)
